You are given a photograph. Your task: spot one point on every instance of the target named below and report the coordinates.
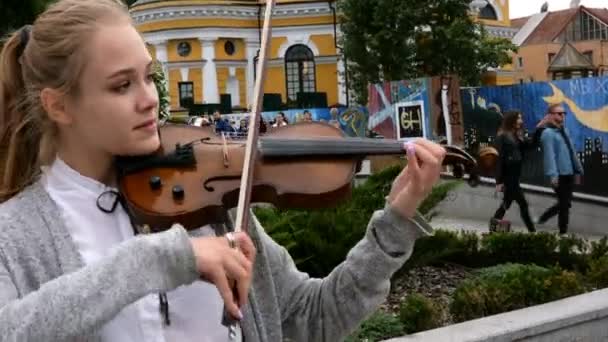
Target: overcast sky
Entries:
(523, 8)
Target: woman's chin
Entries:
(143, 147)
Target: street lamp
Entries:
(477, 5)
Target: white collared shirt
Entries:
(195, 309)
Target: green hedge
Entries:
(510, 287)
(471, 250)
(319, 240)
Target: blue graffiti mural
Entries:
(586, 101)
(586, 104)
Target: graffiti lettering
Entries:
(602, 86)
(582, 87)
(577, 87)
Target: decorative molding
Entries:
(239, 63)
(301, 38)
(251, 36)
(228, 12)
(501, 32)
(189, 64)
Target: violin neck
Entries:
(327, 147)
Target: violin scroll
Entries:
(462, 163)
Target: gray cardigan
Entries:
(47, 294)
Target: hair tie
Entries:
(24, 38)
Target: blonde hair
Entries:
(48, 54)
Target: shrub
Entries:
(319, 240)
(598, 272)
(444, 246)
(379, 326)
(418, 313)
(509, 287)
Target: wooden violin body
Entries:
(195, 175)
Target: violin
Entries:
(195, 176)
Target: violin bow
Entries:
(242, 216)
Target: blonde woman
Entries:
(76, 91)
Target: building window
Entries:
(229, 48)
(551, 56)
(520, 62)
(299, 71)
(186, 94)
(184, 49)
(585, 27)
(488, 12)
(589, 55)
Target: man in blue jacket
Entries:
(561, 164)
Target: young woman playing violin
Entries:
(76, 91)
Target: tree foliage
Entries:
(16, 13)
(387, 40)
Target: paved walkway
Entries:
(459, 224)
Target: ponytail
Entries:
(48, 54)
(19, 138)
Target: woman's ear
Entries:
(53, 103)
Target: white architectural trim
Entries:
(282, 11)
(210, 85)
(250, 34)
(231, 63)
(497, 9)
(302, 38)
(529, 27)
(189, 64)
(184, 73)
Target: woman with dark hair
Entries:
(511, 146)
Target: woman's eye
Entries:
(122, 87)
(151, 77)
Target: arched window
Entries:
(299, 71)
(488, 12)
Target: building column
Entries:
(252, 49)
(210, 87)
(160, 48)
(341, 77)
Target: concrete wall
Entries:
(582, 318)
(480, 203)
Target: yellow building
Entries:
(208, 48)
(494, 14)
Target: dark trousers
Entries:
(564, 190)
(513, 192)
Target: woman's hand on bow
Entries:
(417, 179)
(222, 266)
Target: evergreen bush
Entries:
(511, 286)
(418, 313)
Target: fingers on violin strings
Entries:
(412, 161)
(425, 156)
(435, 149)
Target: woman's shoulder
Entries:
(24, 210)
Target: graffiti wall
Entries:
(417, 108)
(586, 103)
